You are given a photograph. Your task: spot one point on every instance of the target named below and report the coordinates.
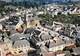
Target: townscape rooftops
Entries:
(48, 36)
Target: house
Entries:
(23, 46)
(59, 43)
(57, 26)
(4, 48)
(17, 36)
(56, 44)
(33, 23)
(21, 43)
(45, 36)
(44, 51)
(39, 12)
(68, 41)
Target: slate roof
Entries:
(18, 36)
(31, 30)
(45, 37)
(21, 43)
(55, 43)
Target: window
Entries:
(20, 51)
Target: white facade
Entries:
(56, 48)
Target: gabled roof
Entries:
(18, 36)
(56, 42)
(45, 37)
(21, 43)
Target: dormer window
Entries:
(54, 41)
(20, 51)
